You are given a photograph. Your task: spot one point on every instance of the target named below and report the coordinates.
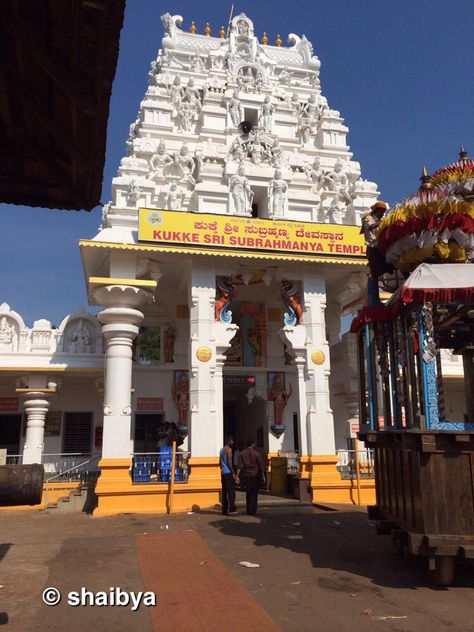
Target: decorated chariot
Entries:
(424, 463)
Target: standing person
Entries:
(377, 263)
(172, 434)
(235, 460)
(228, 478)
(250, 464)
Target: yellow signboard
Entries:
(224, 232)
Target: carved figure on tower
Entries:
(265, 119)
(175, 91)
(183, 164)
(236, 151)
(159, 161)
(277, 156)
(241, 194)
(133, 193)
(337, 181)
(7, 335)
(315, 174)
(277, 195)
(173, 198)
(235, 109)
(192, 95)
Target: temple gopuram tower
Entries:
(227, 253)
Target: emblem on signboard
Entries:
(154, 218)
(203, 354)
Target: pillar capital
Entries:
(121, 295)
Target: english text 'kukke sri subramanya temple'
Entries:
(227, 257)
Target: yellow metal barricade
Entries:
(279, 482)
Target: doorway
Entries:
(245, 417)
(146, 431)
(10, 432)
(229, 418)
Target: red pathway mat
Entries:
(194, 591)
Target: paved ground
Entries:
(319, 570)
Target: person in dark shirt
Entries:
(228, 478)
(250, 468)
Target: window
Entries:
(77, 433)
(251, 115)
(149, 345)
(52, 425)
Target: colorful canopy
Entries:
(436, 222)
(435, 283)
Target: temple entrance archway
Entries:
(245, 416)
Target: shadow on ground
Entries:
(341, 541)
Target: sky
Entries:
(401, 72)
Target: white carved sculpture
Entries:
(175, 91)
(197, 63)
(132, 134)
(315, 174)
(192, 95)
(133, 193)
(241, 194)
(337, 181)
(152, 73)
(236, 151)
(170, 23)
(277, 195)
(295, 104)
(186, 114)
(8, 337)
(246, 79)
(336, 211)
(312, 110)
(243, 28)
(257, 152)
(159, 161)
(265, 119)
(173, 198)
(276, 153)
(183, 164)
(235, 109)
(80, 341)
(304, 131)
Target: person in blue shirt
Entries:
(229, 478)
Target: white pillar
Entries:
(295, 337)
(320, 417)
(36, 407)
(223, 334)
(120, 327)
(302, 404)
(118, 383)
(204, 434)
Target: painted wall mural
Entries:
(248, 347)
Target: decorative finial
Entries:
(192, 28)
(264, 39)
(222, 32)
(425, 181)
(278, 40)
(207, 29)
(462, 153)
